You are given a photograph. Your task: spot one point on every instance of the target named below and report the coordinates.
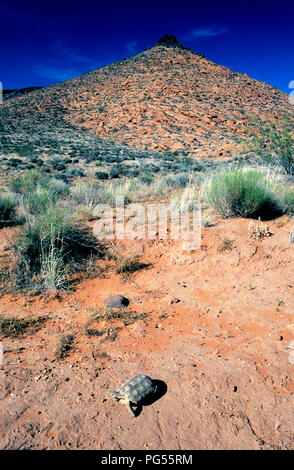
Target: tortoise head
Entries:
(115, 394)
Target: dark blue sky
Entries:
(52, 41)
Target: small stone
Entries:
(291, 358)
(261, 442)
(116, 301)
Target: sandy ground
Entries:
(223, 351)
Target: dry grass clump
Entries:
(226, 245)
(258, 230)
(92, 332)
(13, 327)
(64, 346)
(123, 314)
(207, 219)
(128, 264)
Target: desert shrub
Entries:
(101, 175)
(258, 230)
(64, 346)
(207, 219)
(186, 200)
(13, 327)
(132, 173)
(38, 201)
(58, 187)
(24, 150)
(72, 172)
(225, 245)
(125, 315)
(146, 178)
(128, 264)
(28, 182)
(115, 172)
(14, 162)
(243, 193)
(48, 248)
(288, 200)
(89, 194)
(274, 146)
(179, 181)
(7, 209)
(38, 191)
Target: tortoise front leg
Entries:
(129, 407)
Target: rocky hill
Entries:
(166, 98)
(15, 93)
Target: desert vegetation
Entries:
(274, 145)
(52, 239)
(12, 326)
(244, 194)
(7, 210)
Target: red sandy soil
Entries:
(222, 351)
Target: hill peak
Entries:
(168, 40)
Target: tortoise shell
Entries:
(136, 389)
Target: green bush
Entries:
(101, 175)
(38, 191)
(243, 193)
(288, 200)
(49, 246)
(38, 201)
(28, 182)
(7, 209)
(274, 145)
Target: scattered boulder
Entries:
(116, 301)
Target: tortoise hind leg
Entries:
(129, 407)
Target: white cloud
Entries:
(55, 73)
(65, 64)
(207, 31)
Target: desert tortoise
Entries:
(134, 391)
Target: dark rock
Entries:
(116, 301)
(168, 40)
